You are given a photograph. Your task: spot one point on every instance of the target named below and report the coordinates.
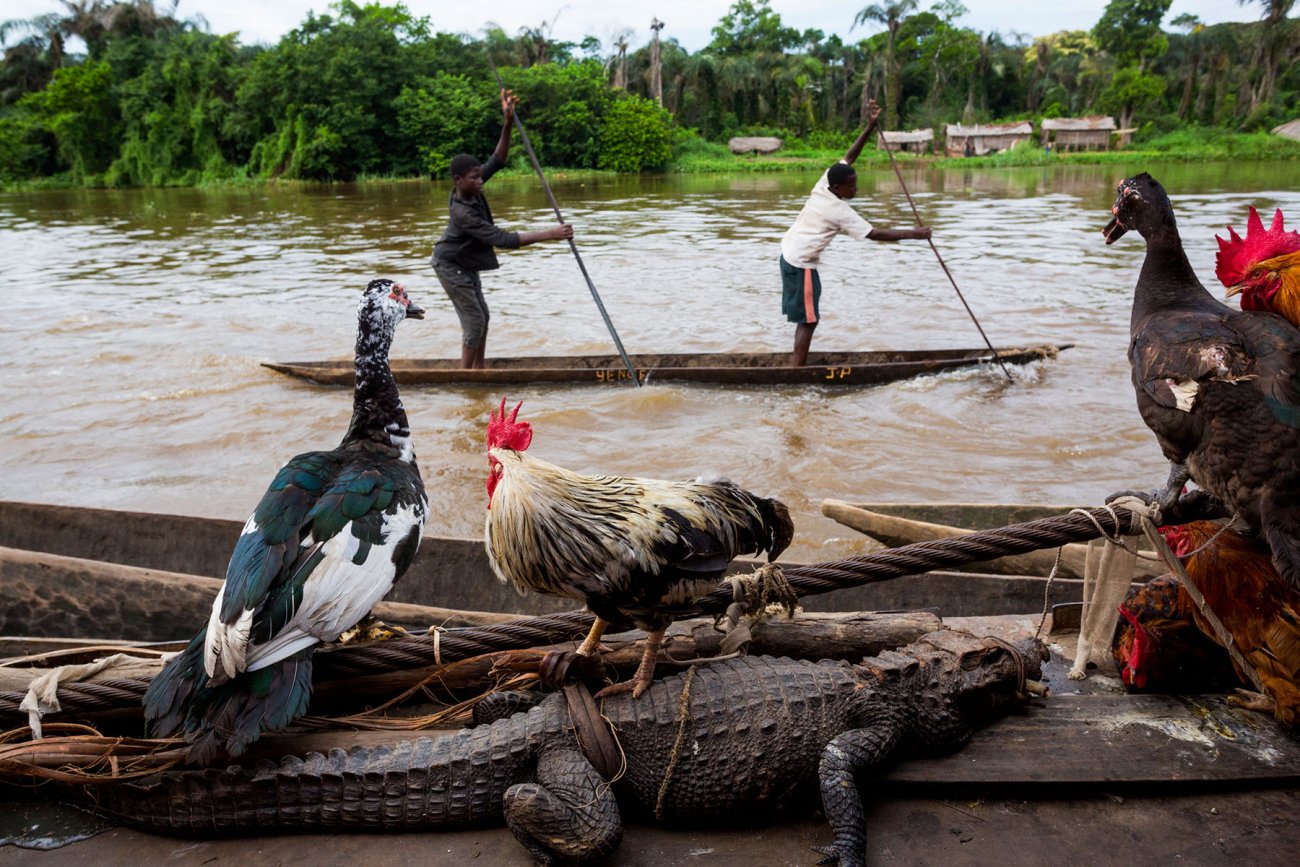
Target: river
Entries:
(136, 320)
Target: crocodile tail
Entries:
(222, 720)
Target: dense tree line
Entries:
(373, 90)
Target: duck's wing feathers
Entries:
(325, 544)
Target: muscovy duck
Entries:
(1218, 387)
(330, 536)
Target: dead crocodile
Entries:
(759, 732)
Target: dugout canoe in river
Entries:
(96, 550)
(717, 368)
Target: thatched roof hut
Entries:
(986, 138)
(1078, 133)
(917, 141)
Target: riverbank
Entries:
(695, 156)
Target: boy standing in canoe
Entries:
(826, 214)
(466, 248)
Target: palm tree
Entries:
(1273, 35)
(621, 43)
(656, 65)
(1192, 24)
(891, 15)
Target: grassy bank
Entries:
(697, 156)
(1200, 145)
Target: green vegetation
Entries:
(373, 91)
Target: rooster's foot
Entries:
(1249, 700)
(636, 686)
(371, 628)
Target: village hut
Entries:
(1288, 130)
(1078, 133)
(754, 144)
(917, 141)
(986, 138)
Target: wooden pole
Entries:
(600, 305)
(942, 264)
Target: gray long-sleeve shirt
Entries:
(471, 235)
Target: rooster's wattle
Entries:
(638, 548)
(1220, 388)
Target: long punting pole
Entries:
(942, 264)
(537, 166)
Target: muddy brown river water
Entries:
(135, 323)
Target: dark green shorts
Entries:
(801, 291)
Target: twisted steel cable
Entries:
(810, 579)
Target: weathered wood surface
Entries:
(66, 597)
(448, 571)
(1095, 739)
(850, 636)
(729, 368)
(893, 531)
(809, 635)
(454, 572)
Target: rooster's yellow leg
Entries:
(591, 643)
(645, 672)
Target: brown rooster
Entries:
(1260, 609)
(1158, 646)
(639, 548)
(1263, 267)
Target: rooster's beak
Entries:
(1236, 289)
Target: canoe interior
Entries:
(968, 516)
(452, 572)
(826, 368)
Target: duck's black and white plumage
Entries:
(330, 536)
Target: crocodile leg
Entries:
(848, 755)
(569, 814)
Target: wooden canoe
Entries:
(895, 524)
(719, 368)
(448, 572)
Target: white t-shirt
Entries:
(823, 217)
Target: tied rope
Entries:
(1221, 632)
(683, 716)
(452, 645)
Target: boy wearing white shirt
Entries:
(826, 214)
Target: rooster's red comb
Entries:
(505, 432)
(1238, 255)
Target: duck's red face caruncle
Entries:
(1127, 194)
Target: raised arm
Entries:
(855, 149)
(508, 103)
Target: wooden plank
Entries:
(51, 596)
(1093, 739)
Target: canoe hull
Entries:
(723, 368)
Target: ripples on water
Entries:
(135, 322)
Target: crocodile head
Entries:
(956, 681)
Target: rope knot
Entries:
(757, 595)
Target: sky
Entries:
(687, 21)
